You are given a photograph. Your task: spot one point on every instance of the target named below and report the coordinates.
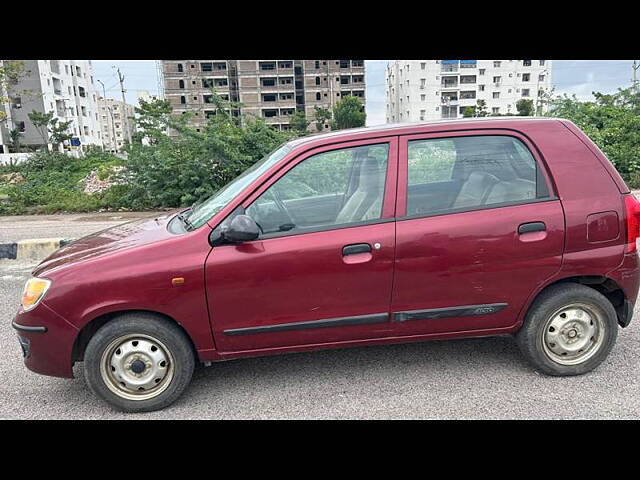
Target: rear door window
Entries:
(470, 172)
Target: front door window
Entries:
(334, 188)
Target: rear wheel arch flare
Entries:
(606, 286)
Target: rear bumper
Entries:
(627, 276)
(46, 340)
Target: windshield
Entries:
(203, 212)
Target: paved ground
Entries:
(14, 228)
(479, 378)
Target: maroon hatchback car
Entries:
(399, 233)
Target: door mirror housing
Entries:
(242, 228)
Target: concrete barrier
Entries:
(31, 249)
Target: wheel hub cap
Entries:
(573, 334)
(137, 367)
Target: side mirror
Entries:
(242, 228)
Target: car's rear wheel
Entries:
(569, 330)
(139, 362)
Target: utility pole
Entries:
(113, 125)
(125, 122)
(635, 67)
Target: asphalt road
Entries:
(457, 379)
(20, 227)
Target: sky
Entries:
(579, 77)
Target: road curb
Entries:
(31, 248)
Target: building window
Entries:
(525, 92)
(181, 84)
(481, 71)
(268, 82)
(423, 65)
(541, 78)
(423, 97)
(542, 63)
(206, 67)
(496, 79)
(317, 80)
(270, 113)
(21, 126)
(318, 96)
(317, 64)
(496, 94)
(180, 68)
(183, 99)
(495, 110)
(496, 63)
(357, 63)
(271, 97)
(526, 77)
(481, 88)
(267, 65)
(526, 63)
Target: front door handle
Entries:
(531, 227)
(356, 248)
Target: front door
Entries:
(321, 270)
(478, 230)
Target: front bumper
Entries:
(46, 340)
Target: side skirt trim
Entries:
(438, 313)
(331, 322)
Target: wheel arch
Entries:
(90, 328)
(601, 283)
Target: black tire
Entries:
(530, 337)
(158, 328)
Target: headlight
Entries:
(34, 291)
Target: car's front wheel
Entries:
(569, 330)
(139, 362)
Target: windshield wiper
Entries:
(184, 220)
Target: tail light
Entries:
(633, 221)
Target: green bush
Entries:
(53, 184)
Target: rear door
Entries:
(478, 229)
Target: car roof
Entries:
(413, 127)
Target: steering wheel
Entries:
(280, 205)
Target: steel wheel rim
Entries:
(573, 334)
(137, 367)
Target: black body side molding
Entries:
(461, 311)
(330, 322)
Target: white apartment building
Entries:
(116, 119)
(418, 90)
(64, 87)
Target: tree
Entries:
(10, 73)
(525, 107)
(59, 132)
(481, 109)
(322, 116)
(41, 122)
(51, 130)
(299, 123)
(15, 136)
(612, 121)
(348, 113)
(469, 112)
(152, 120)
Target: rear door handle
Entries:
(356, 248)
(531, 227)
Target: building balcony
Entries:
(449, 68)
(449, 85)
